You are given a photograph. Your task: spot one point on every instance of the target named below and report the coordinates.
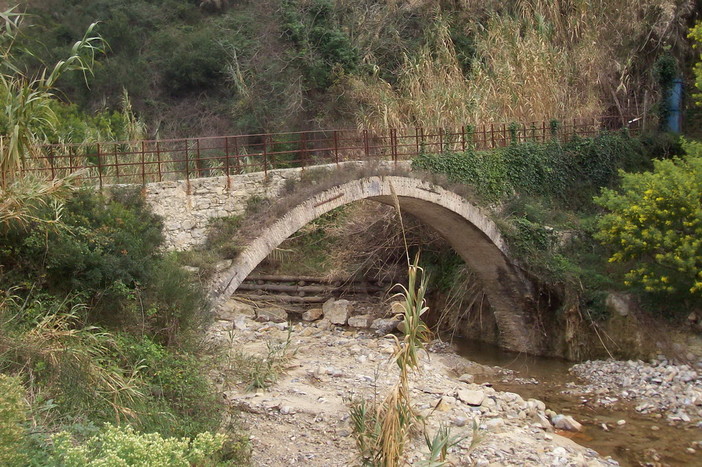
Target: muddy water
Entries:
(633, 444)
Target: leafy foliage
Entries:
(567, 172)
(323, 48)
(655, 225)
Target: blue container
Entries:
(675, 106)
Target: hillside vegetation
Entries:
(211, 67)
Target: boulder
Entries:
(337, 311)
(360, 321)
(566, 422)
(233, 308)
(385, 325)
(466, 378)
(273, 314)
(619, 303)
(474, 398)
(313, 314)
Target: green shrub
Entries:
(180, 400)
(105, 253)
(12, 417)
(655, 225)
(122, 446)
(570, 173)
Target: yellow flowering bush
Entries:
(696, 36)
(654, 224)
(122, 446)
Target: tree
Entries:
(654, 224)
(696, 35)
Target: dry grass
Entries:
(536, 60)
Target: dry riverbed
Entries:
(303, 417)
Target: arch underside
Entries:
(471, 234)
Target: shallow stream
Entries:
(635, 443)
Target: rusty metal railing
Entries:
(141, 162)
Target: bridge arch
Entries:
(467, 229)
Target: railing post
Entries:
(187, 168)
(265, 159)
(441, 140)
(463, 138)
(99, 166)
(393, 144)
(543, 131)
(226, 161)
(158, 159)
(236, 155)
(114, 149)
(143, 165)
(198, 159)
(492, 135)
(303, 149)
(336, 146)
(366, 147)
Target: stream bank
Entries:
(659, 402)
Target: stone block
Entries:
(337, 311)
(360, 321)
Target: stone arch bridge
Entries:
(187, 207)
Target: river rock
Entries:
(466, 378)
(337, 311)
(384, 325)
(313, 314)
(272, 313)
(233, 308)
(474, 398)
(566, 422)
(360, 321)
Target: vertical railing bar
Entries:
(302, 148)
(187, 168)
(198, 158)
(114, 149)
(265, 158)
(463, 138)
(366, 149)
(336, 147)
(143, 164)
(236, 155)
(158, 159)
(99, 164)
(226, 162)
(543, 131)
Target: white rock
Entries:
(474, 398)
(566, 422)
(360, 321)
(337, 311)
